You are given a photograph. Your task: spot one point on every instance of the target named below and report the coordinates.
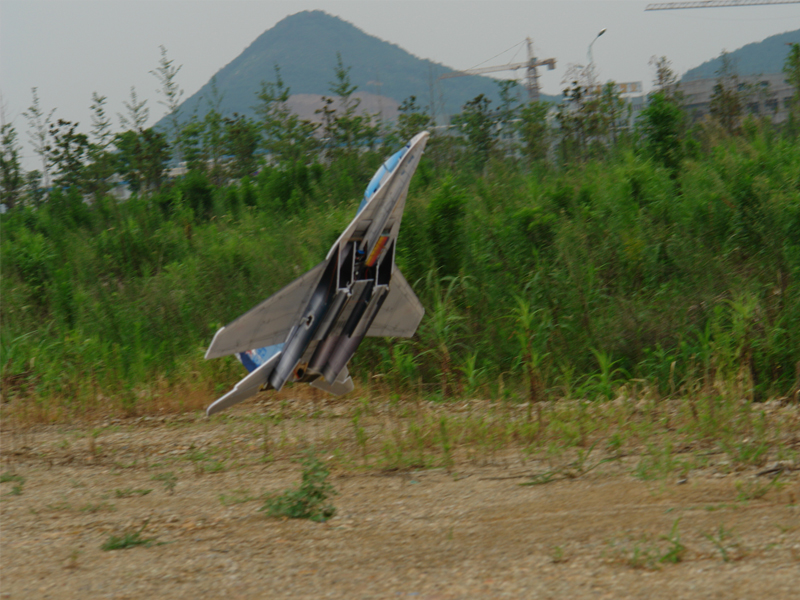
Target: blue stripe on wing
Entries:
(252, 359)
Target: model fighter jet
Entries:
(309, 330)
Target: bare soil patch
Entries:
(467, 531)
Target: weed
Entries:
(204, 461)
(360, 433)
(753, 490)
(676, 550)
(130, 492)
(7, 476)
(309, 501)
(657, 464)
(642, 555)
(127, 540)
(557, 555)
(168, 479)
(646, 554)
(236, 497)
(731, 550)
(72, 560)
(103, 506)
(446, 445)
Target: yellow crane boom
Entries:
(714, 4)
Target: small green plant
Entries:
(130, 492)
(102, 506)
(642, 555)
(646, 554)
(309, 501)
(7, 476)
(19, 481)
(236, 497)
(676, 550)
(168, 479)
(747, 452)
(659, 463)
(127, 540)
(360, 433)
(557, 555)
(753, 490)
(446, 445)
(731, 550)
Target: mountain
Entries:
(305, 47)
(764, 57)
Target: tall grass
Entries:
(612, 271)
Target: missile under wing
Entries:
(309, 330)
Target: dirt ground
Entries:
(472, 532)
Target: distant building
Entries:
(762, 95)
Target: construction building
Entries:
(762, 95)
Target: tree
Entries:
(68, 153)
(726, 102)
(142, 153)
(101, 161)
(507, 113)
(476, 122)
(611, 108)
(533, 130)
(213, 136)
(411, 120)
(666, 81)
(142, 158)
(287, 139)
(39, 124)
(138, 113)
(166, 74)
(241, 143)
(662, 123)
(791, 68)
(346, 130)
(11, 180)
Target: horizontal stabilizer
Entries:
(247, 387)
(341, 385)
(401, 313)
(269, 322)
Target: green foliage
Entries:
(675, 269)
(446, 229)
(662, 122)
(476, 123)
(309, 501)
(168, 479)
(129, 539)
(11, 176)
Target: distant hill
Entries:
(757, 58)
(304, 46)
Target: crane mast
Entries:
(530, 66)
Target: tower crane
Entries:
(530, 66)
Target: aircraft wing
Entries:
(247, 387)
(268, 323)
(401, 312)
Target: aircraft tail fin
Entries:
(401, 312)
(341, 385)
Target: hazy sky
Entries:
(71, 48)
